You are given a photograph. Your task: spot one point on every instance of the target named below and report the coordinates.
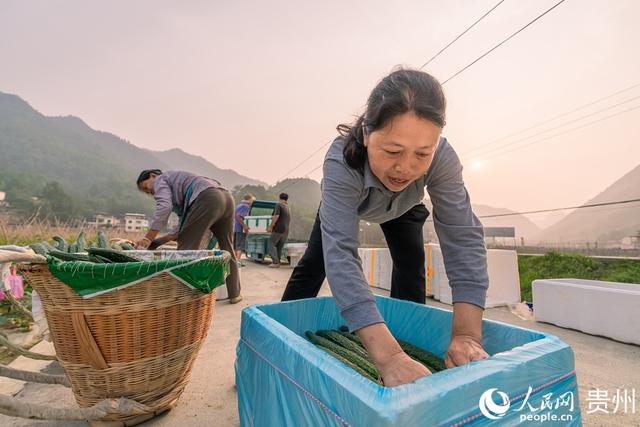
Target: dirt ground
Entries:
(210, 398)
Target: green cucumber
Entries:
(102, 240)
(38, 248)
(112, 255)
(345, 342)
(81, 242)
(430, 360)
(66, 256)
(61, 244)
(361, 362)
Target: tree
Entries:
(56, 201)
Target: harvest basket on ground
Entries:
(131, 329)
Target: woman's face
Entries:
(146, 186)
(402, 151)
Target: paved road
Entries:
(210, 398)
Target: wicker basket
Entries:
(139, 342)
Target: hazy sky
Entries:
(257, 86)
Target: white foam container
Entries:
(504, 278)
(377, 267)
(609, 309)
(222, 293)
(257, 223)
(296, 249)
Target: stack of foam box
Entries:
(602, 308)
(377, 267)
(257, 223)
(504, 279)
(295, 252)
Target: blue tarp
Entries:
(284, 380)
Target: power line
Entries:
(460, 35)
(468, 65)
(566, 113)
(558, 134)
(555, 127)
(503, 42)
(302, 162)
(592, 205)
(301, 178)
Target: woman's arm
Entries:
(164, 204)
(339, 223)
(462, 242)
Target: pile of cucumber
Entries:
(348, 348)
(99, 251)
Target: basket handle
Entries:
(88, 346)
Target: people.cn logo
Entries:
(491, 409)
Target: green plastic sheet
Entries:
(91, 279)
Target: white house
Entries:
(105, 221)
(135, 222)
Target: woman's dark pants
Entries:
(406, 245)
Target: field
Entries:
(11, 320)
(559, 265)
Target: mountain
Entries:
(524, 227)
(303, 192)
(98, 169)
(178, 159)
(606, 222)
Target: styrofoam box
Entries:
(504, 279)
(609, 309)
(257, 223)
(377, 267)
(222, 293)
(285, 380)
(296, 249)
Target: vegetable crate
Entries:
(283, 379)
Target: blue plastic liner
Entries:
(284, 380)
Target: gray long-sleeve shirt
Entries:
(349, 196)
(170, 189)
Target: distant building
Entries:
(105, 221)
(134, 222)
(631, 242)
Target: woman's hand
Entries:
(466, 337)
(147, 239)
(401, 369)
(394, 365)
(464, 349)
(143, 243)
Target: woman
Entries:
(202, 205)
(377, 171)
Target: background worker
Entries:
(240, 228)
(279, 229)
(203, 207)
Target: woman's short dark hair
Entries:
(146, 174)
(400, 92)
(284, 196)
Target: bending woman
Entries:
(377, 170)
(202, 205)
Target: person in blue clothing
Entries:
(240, 228)
(377, 171)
